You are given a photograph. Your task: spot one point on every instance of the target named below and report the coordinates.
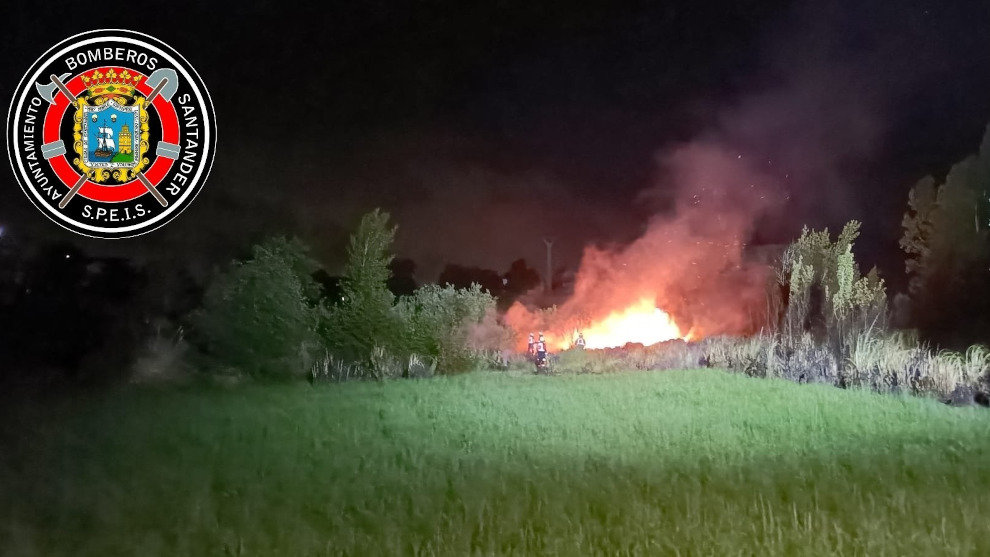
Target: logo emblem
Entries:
(111, 133)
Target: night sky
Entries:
(484, 127)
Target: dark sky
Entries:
(482, 127)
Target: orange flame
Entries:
(690, 264)
(641, 322)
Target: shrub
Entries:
(439, 322)
(162, 358)
(329, 368)
(382, 365)
(259, 315)
(815, 269)
(420, 367)
(436, 329)
(385, 364)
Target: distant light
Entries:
(67, 256)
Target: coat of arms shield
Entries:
(111, 135)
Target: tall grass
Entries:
(888, 363)
(681, 462)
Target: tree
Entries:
(521, 278)
(518, 280)
(364, 317)
(260, 315)
(917, 224)
(948, 251)
(463, 277)
(368, 327)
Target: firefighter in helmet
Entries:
(541, 350)
(580, 341)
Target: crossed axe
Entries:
(164, 82)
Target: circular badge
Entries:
(111, 133)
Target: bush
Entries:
(826, 295)
(436, 329)
(385, 364)
(162, 359)
(439, 321)
(329, 368)
(420, 367)
(382, 365)
(259, 315)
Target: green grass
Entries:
(686, 462)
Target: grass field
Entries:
(686, 462)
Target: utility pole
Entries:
(549, 283)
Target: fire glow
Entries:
(641, 323)
(687, 276)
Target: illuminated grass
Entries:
(695, 462)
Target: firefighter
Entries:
(580, 341)
(541, 350)
(529, 349)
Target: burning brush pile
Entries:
(688, 293)
(684, 295)
(686, 277)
